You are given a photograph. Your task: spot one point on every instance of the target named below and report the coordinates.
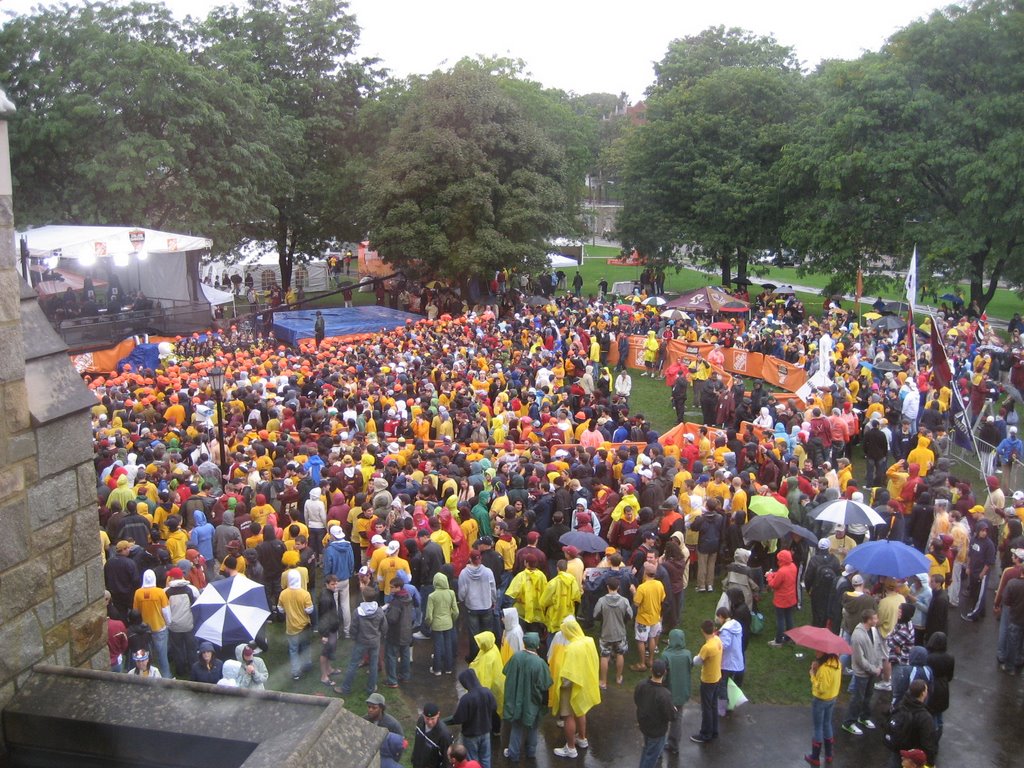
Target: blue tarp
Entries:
(289, 327)
(143, 356)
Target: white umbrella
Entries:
(230, 611)
(846, 512)
(655, 301)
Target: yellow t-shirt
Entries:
(294, 603)
(711, 653)
(149, 601)
(648, 599)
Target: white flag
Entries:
(911, 282)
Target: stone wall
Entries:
(51, 577)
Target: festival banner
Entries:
(782, 373)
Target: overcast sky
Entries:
(598, 45)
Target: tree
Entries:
(701, 173)
(690, 59)
(922, 143)
(301, 55)
(466, 184)
(117, 123)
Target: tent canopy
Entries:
(94, 243)
(260, 259)
(558, 261)
(708, 299)
(163, 265)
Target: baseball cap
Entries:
(824, 544)
(857, 579)
(376, 698)
(430, 709)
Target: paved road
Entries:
(983, 725)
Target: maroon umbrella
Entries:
(819, 639)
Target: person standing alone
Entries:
(654, 713)
(709, 659)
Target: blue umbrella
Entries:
(230, 611)
(887, 558)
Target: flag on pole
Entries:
(911, 282)
(962, 432)
(941, 371)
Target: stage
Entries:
(289, 327)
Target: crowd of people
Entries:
(451, 476)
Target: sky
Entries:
(600, 45)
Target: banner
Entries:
(744, 363)
(940, 362)
(782, 373)
(963, 435)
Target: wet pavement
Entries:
(982, 727)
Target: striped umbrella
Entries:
(230, 611)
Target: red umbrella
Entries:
(625, 308)
(721, 325)
(819, 639)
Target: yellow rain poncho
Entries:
(526, 589)
(560, 598)
(576, 662)
(489, 667)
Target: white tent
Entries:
(163, 265)
(558, 261)
(260, 260)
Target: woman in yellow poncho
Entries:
(575, 691)
(489, 666)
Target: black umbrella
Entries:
(537, 301)
(584, 541)
(767, 527)
(890, 323)
(769, 286)
(742, 281)
(886, 366)
(896, 307)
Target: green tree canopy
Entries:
(301, 55)
(701, 173)
(118, 123)
(921, 143)
(467, 183)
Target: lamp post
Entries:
(217, 381)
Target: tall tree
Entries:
(301, 53)
(466, 183)
(701, 175)
(923, 143)
(117, 123)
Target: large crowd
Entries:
(487, 475)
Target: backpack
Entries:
(825, 579)
(897, 732)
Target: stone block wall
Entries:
(51, 577)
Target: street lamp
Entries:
(217, 382)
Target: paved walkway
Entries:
(982, 725)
